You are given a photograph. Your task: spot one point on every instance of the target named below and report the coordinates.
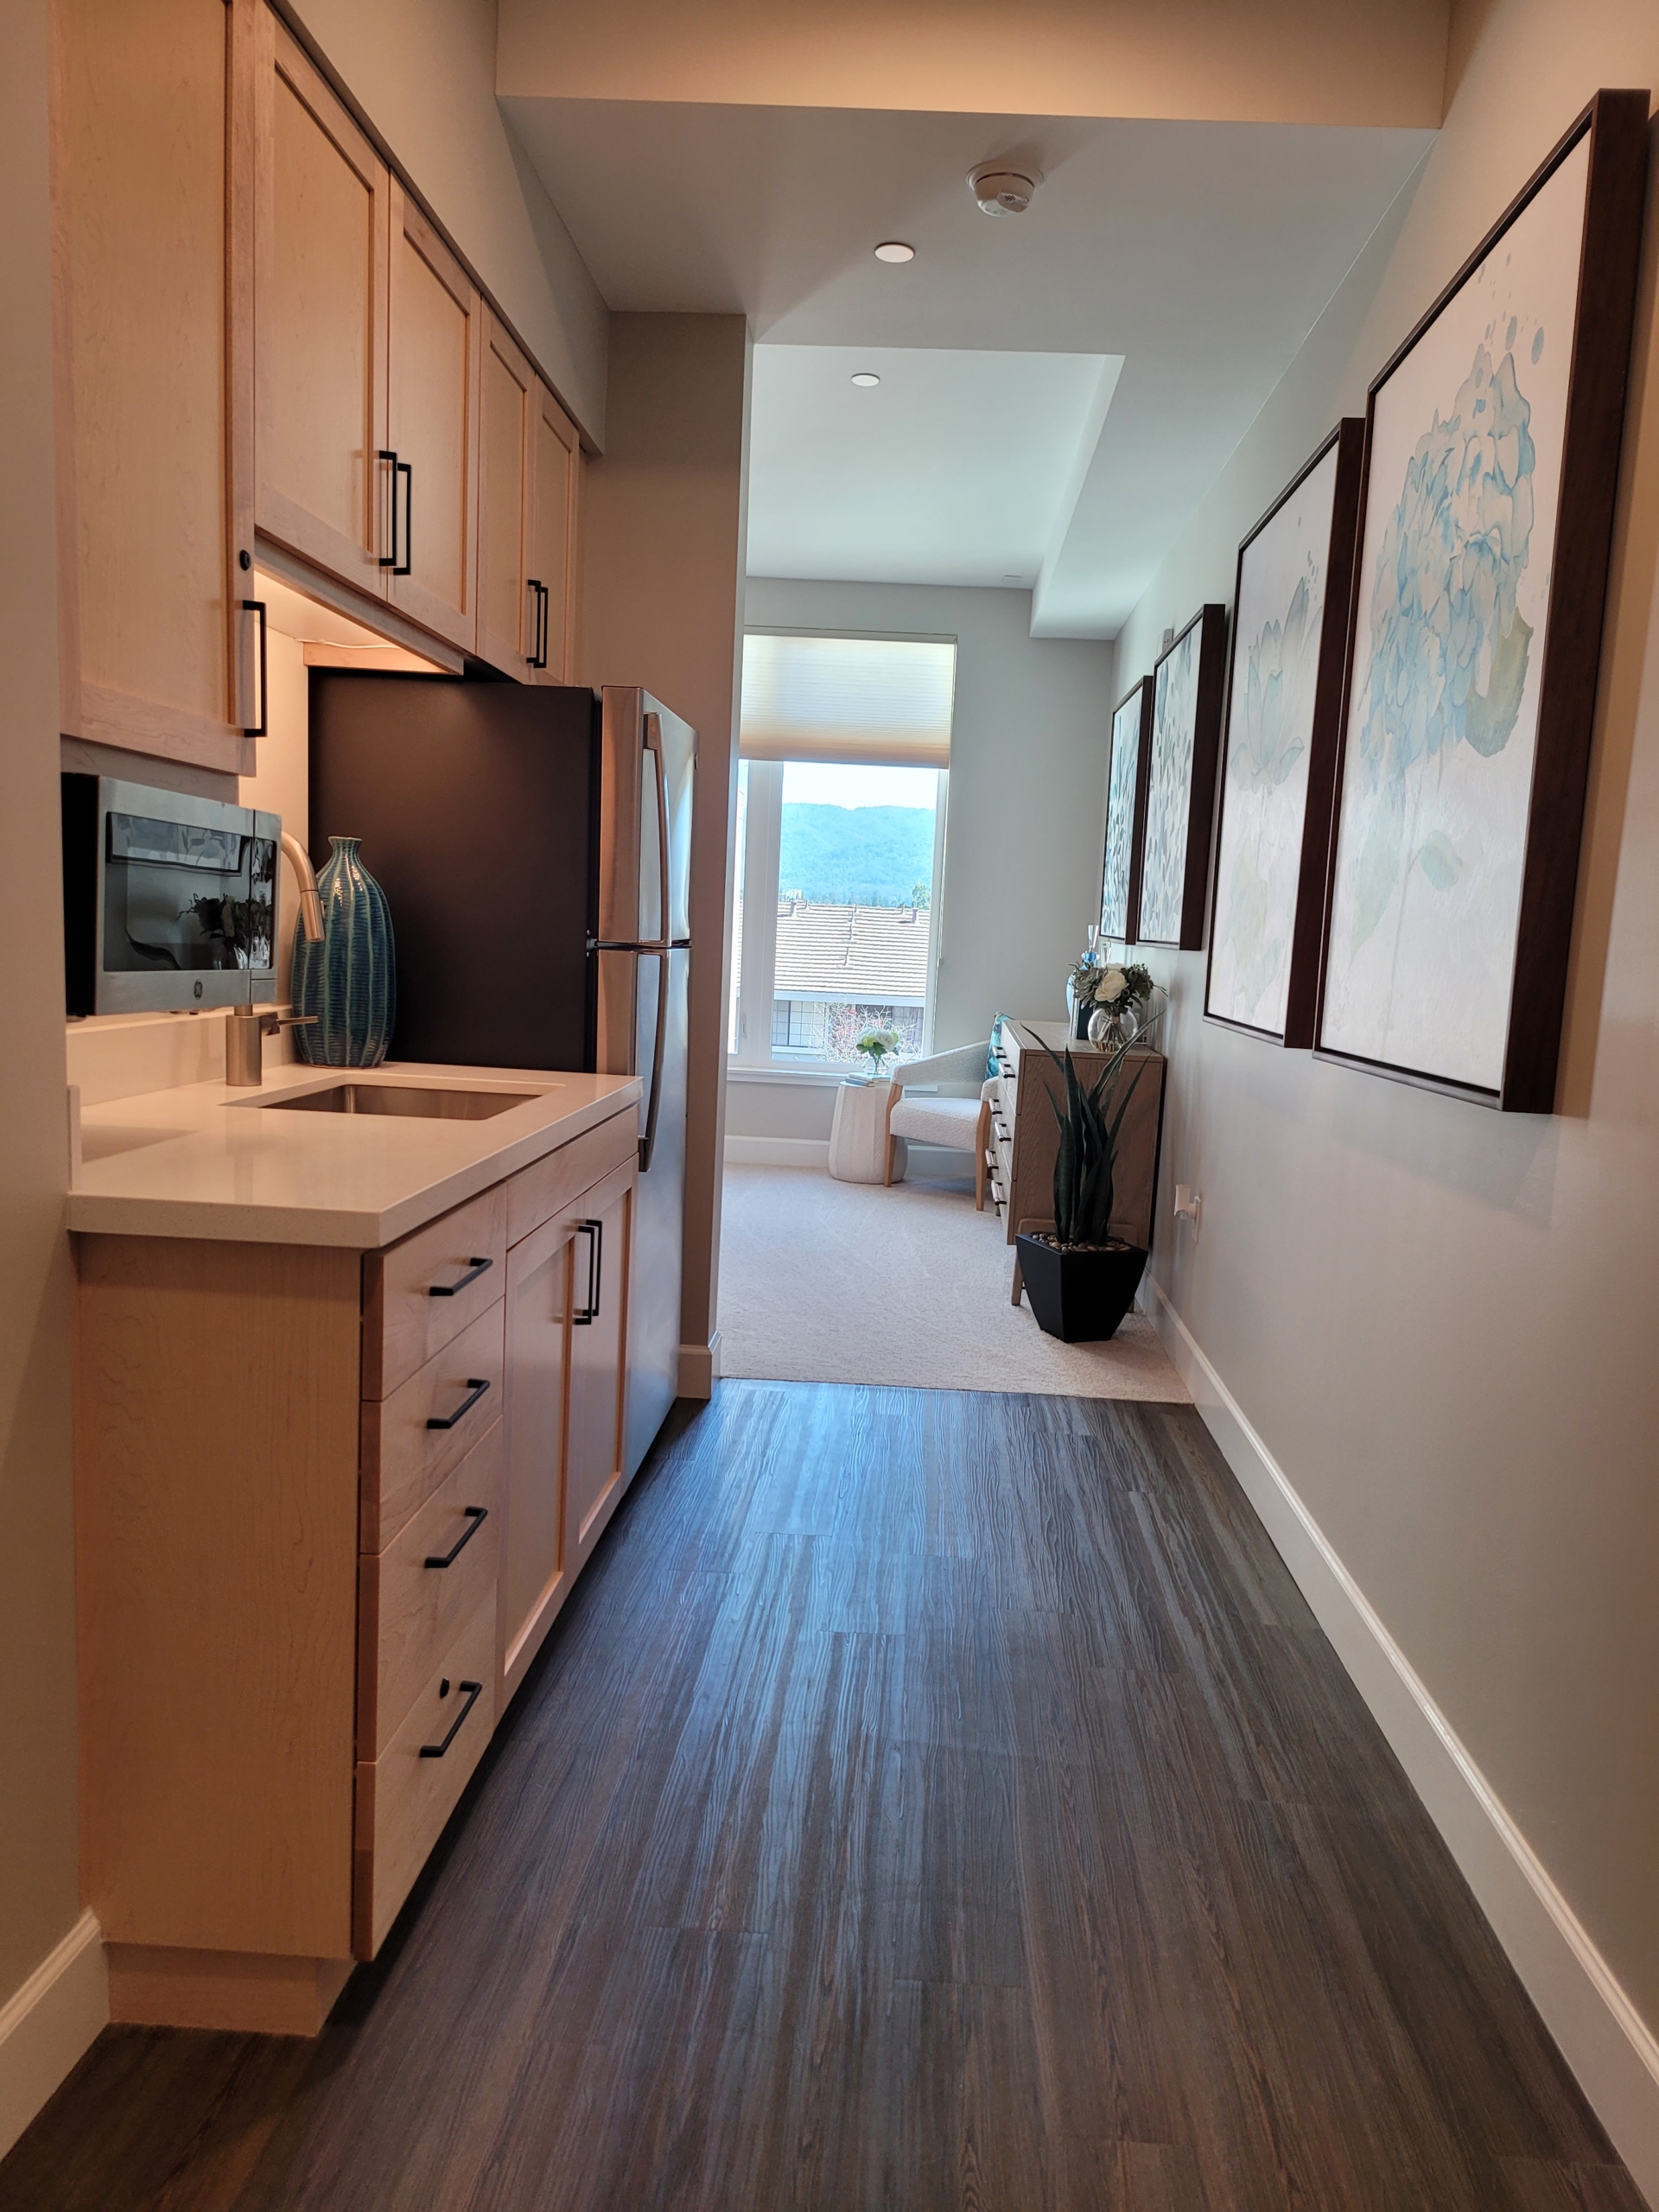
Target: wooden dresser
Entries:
(1024, 1135)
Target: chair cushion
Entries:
(926, 1119)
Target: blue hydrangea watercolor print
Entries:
(1455, 568)
(1169, 784)
(1120, 816)
(1277, 630)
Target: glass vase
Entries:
(349, 980)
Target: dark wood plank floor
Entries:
(926, 1801)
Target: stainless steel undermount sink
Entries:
(403, 1098)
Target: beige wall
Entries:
(424, 72)
(1443, 1322)
(1365, 61)
(662, 580)
(1026, 809)
(40, 1891)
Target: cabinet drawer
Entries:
(411, 1608)
(420, 1294)
(403, 1799)
(536, 1194)
(404, 1455)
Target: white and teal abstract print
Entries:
(1277, 630)
(1169, 789)
(1120, 816)
(1455, 573)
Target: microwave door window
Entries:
(178, 898)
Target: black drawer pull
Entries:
(474, 1269)
(476, 1517)
(476, 1386)
(594, 1231)
(474, 1691)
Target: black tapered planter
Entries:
(1079, 1295)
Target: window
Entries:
(840, 843)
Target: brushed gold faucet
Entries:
(249, 1025)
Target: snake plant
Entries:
(1086, 1158)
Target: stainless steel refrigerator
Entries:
(534, 845)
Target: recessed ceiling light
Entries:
(895, 250)
(864, 378)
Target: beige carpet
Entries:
(823, 1282)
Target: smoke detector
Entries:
(1004, 188)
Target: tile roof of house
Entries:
(876, 955)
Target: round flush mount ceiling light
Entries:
(1003, 188)
(866, 380)
(894, 250)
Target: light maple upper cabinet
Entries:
(508, 607)
(151, 175)
(556, 507)
(433, 333)
(322, 230)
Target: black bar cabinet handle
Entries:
(390, 559)
(540, 642)
(474, 1691)
(476, 1386)
(536, 656)
(406, 470)
(594, 1231)
(476, 1517)
(474, 1269)
(258, 606)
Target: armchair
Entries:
(921, 1107)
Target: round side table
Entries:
(858, 1135)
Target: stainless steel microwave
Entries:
(169, 902)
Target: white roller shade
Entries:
(868, 702)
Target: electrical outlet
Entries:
(1189, 1206)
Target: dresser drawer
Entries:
(415, 1597)
(536, 1194)
(403, 1798)
(419, 1295)
(423, 1432)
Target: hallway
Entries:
(963, 1810)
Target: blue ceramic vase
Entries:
(349, 980)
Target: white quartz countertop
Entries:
(209, 1162)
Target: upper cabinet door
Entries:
(555, 511)
(433, 420)
(320, 245)
(149, 373)
(510, 610)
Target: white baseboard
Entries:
(1603, 2037)
(700, 1368)
(777, 1152)
(47, 2025)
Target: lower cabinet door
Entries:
(599, 1335)
(534, 1573)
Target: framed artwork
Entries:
(1187, 689)
(1126, 799)
(1492, 457)
(1279, 748)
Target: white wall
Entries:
(1440, 1322)
(1027, 810)
(424, 72)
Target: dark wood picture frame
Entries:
(1616, 122)
(1211, 621)
(1143, 685)
(1319, 815)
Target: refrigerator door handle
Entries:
(648, 1142)
(654, 746)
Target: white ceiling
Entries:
(1201, 253)
(953, 470)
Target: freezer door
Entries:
(675, 743)
(659, 1207)
(648, 764)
